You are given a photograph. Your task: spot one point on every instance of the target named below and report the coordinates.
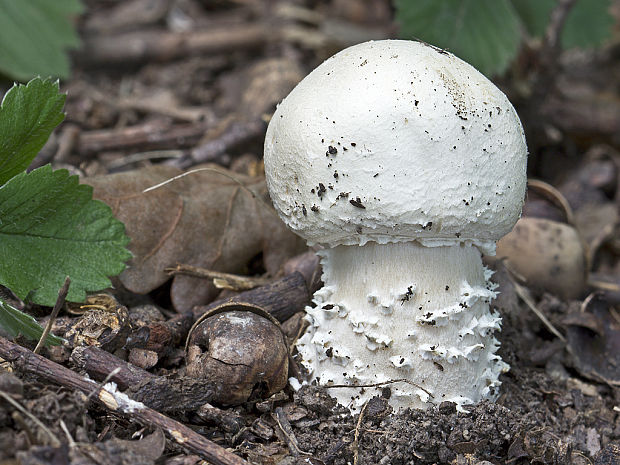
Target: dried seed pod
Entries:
(240, 350)
(548, 254)
(105, 324)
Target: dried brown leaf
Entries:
(206, 219)
(594, 341)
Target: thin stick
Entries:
(550, 50)
(60, 301)
(551, 39)
(554, 196)
(603, 285)
(525, 296)
(220, 280)
(197, 170)
(282, 298)
(144, 156)
(356, 440)
(55, 442)
(105, 381)
(67, 433)
(287, 431)
(221, 173)
(384, 383)
(586, 302)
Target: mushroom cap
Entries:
(392, 141)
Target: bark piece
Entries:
(163, 394)
(282, 298)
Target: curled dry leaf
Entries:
(105, 324)
(206, 219)
(593, 336)
(548, 254)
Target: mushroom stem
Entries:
(404, 311)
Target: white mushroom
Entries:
(404, 163)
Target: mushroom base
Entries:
(406, 317)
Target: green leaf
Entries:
(28, 115)
(484, 33)
(35, 35)
(15, 323)
(534, 14)
(50, 228)
(588, 23)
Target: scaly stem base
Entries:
(404, 311)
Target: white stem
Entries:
(403, 310)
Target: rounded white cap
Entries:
(393, 141)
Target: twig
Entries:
(144, 156)
(66, 142)
(356, 439)
(165, 108)
(281, 298)
(198, 170)
(105, 381)
(554, 196)
(220, 280)
(384, 383)
(588, 300)
(132, 48)
(237, 133)
(55, 442)
(524, 294)
(104, 366)
(60, 301)
(375, 431)
(158, 392)
(550, 50)
(148, 136)
(245, 188)
(287, 431)
(70, 439)
(603, 285)
(117, 402)
(551, 39)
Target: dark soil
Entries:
(560, 401)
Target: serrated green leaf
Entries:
(588, 23)
(28, 115)
(16, 322)
(484, 33)
(50, 228)
(35, 36)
